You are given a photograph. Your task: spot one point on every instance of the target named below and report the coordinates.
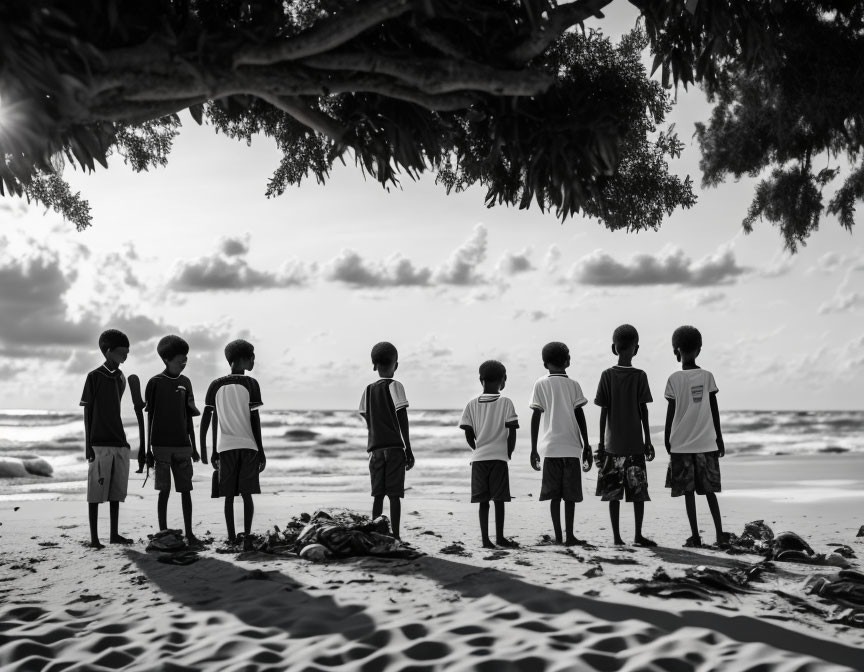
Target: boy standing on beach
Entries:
(490, 425)
(385, 408)
(105, 444)
(558, 400)
(234, 400)
(623, 395)
(692, 436)
(171, 444)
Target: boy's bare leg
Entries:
(377, 506)
(569, 516)
(114, 508)
(395, 514)
(639, 515)
(714, 505)
(690, 503)
(186, 501)
(555, 512)
(162, 509)
(500, 539)
(484, 524)
(248, 513)
(229, 518)
(93, 510)
(614, 513)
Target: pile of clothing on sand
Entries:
(759, 539)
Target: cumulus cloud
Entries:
(461, 267)
(710, 298)
(828, 263)
(228, 270)
(513, 264)
(552, 259)
(670, 268)
(780, 265)
(842, 303)
(349, 267)
(533, 315)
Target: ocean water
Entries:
(316, 450)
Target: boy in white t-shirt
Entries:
(490, 425)
(557, 400)
(693, 437)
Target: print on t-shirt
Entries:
(696, 392)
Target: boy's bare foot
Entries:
(192, 540)
(559, 539)
(232, 539)
(644, 541)
(618, 541)
(117, 539)
(693, 542)
(95, 544)
(487, 543)
(506, 543)
(723, 540)
(573, 541)
(247, 544)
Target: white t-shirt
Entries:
(234, 397)
(692, 427)
(558, 396)
(490, 416)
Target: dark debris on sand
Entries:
(845, 591)
(456, 548)
(760, 539)
(701, 582)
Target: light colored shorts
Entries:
(108, 475)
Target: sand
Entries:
(541, 607)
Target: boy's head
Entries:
(385, 359)
(493, 375)
(114, 345)
(686, 342)
(556, 356)
(625, 340)
(173, 350)
(240, 354)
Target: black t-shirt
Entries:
(380, 412)
(103, 390)
(170, 407)
(622, 389)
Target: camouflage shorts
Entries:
(623, 476)
(693, 472)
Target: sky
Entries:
(316, 277)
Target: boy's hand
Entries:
(262, 461)
(195, 456)
(90, 454)
(140, 465)
(215, 461)
(204, 459)
(409, 459)
(587, 458)
(151, 461)
(509, 454)
(721, 447)
(600, 454)
(535, 460)
(649, 452)
(669, 448)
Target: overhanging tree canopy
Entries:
(493, 92)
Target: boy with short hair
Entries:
(692, 435)
(105, 444)
(234, 401)
(171, 436)
(490, 425)
(384, 407)
(557, 400)
(623, 395)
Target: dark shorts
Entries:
(238, 472)
(176, 461)
(623, 476)
(562, 479)
(490, 480)
(387, 472)
(693, 472)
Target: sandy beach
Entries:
(539, 607)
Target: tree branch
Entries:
(560, 19)
(326, 34)
(314, 119)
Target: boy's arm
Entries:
(469, 437)
(715, 416)
(205, 425)
(138, 405)
(190, 430)
(583, 429)
(535, 430)
(89, 455)
(511, 441)
(255, 420)
(667, 431)
(601, 443)
(402, 417)
(150, 460)
(649, 449)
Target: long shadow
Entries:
(471, 581)
(260, 599)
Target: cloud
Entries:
(842, 303)
(670, 268)
(552, 259)
(350, 268)
(828, 263)
(533, 315)
(228, 270)
(513, 264)
(709, 298)
(780, 265)
(461, 267)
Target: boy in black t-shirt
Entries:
(105, 444)
(385, 409)
(625, 439)
(171, 436)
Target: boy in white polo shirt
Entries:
(557, 400)
(490, 425)
(693, 437)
